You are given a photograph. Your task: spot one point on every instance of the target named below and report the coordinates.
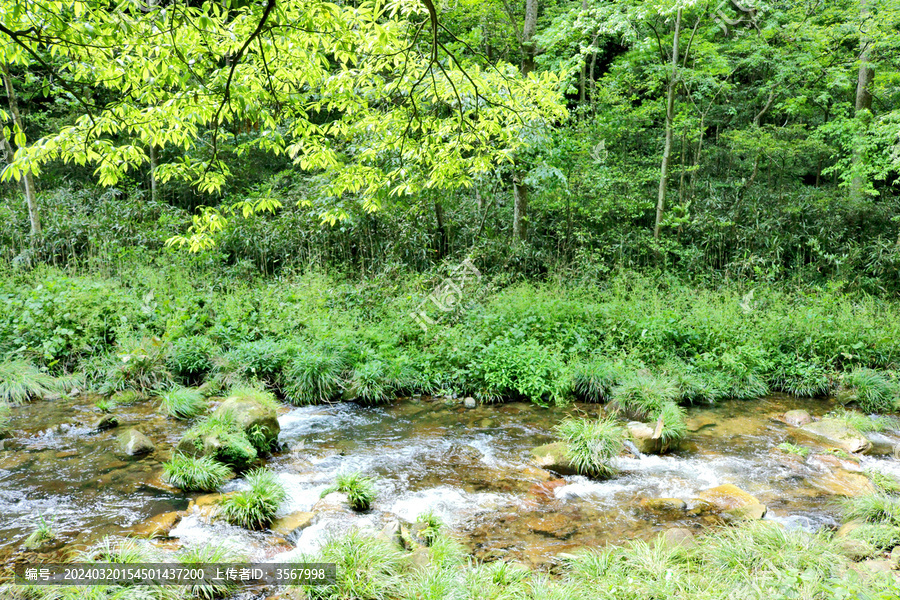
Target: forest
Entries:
(469, 299)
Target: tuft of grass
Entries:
(864, 423)
(5, 418)
(313, 377)
(641, 394)
(21, 381)
(183, 403)
(873, 508)
(255, 394)
(800, 378)
(202, 474)
(369, 382)
(262, 359)
(871, 390)
(883, 482)
(674, 427)
(120, 551)
(794, 449)
(41, 535)
(360, 490)
(138, 364)
(206, 554)
(592, 444)
(879, 535)
(255, 508)
(594, 380)
(368, 568)
(433, 526)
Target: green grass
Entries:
(433, 525)
(183, 403)
(120, 551)
(864, 423)
(313, 377)
(21, 381)
(369, 382)
(42, 534)
(641, 395)
(255, 507)
(592, 444)
(139, 363)
(263, 359)
(882, 537)
(206, 554)
(200, 474)
(593, 380)
(255, 394)
(870, 389)
(883, 482)
(234, 447)
(873, 508)
(5, 417)
(368, 568)
(192, 357)
(696, 386)
(360, 490)
(674, 427)
(794, 449)
(797, 377)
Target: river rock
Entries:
(881, 444)
(835, 433)
(553, 457)
(751, 512)
(797, 418)
(106, 422)
(545, 489)
(132, 442)
(230, 448)
(331, 504)
(842, 482)
(728, 497)
(249, 415)
(469, 402)
(292, 522)
(663, 505)
(420, 558)
(854, 549)
(555, 525)
(848, 528)
(158, 526)
(642, 436)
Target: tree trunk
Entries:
(670, 116)
(442, 241)
(154, 162)
(529, 50)
(864, 79)
(520, 208)
(27, 180)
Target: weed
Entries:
(192, 357)
(21, 382)
(313, 377)
(879, 535)
(432, 527)
(873, 508)
(255, 507)
(592, 444)
(368, 568)
(883, 482)
(794, 449)
(368, 382)
(798, 377)
(594, 380)
(263, 359)
(41, 535)
(139, 364)
(183, 403)
(864, 423)
(195, 474)
(360, 490)
(206, 554)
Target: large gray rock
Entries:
(251, 416)
(644, 438)
(797, 418)
(132, 442)
(553, 456)
(834, 433)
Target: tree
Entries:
(25, 178)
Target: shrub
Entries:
(21, 382)
(263, 359)
(195, 474)
(528, 370)
(192, 357)
(255, 508)
(313, 377)
(183, 403)
(871, 390)
(360, 490)
(594, 380)
(641, 395)
(873, 508)
(800, 378)
(592, 444)
(138, 364)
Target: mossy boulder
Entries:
(132, 442)
(257, 420)
(834, 433)
(733, 502)
(224, 443)
(554, 457)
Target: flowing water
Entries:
(472, 467)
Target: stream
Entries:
(472, 467)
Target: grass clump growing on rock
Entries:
(227, 442)
(183, 403)
(206, 554)
(21, 381)
(883, 482)
(864, 423)
(871, 390)
(195, 474)
(674, 427)
(794, 449)
(592, 444)
(313, 377)
(255, 507)
(360, 490)
(42, 534)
